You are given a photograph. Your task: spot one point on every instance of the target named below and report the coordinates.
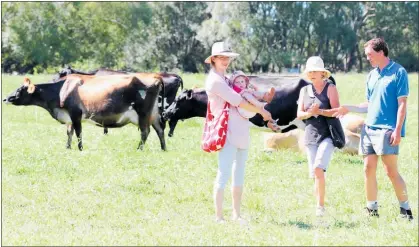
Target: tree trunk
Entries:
(359, 61)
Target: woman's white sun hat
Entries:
(221, 49)
(316, 64)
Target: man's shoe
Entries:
(372, 212)
(406, 214)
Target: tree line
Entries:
(42, 37)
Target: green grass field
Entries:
(112, 194)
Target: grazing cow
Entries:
(189, 103)
(294, 139)
(109, 101)
(352, 125)
(193, 103)
(172, 82)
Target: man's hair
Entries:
(378, 44)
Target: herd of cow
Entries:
(113, 99)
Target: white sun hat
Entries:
(221, 49)
(316, 64)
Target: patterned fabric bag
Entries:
(215, 130)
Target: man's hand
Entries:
(395, 138)
(342, 111)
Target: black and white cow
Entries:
(283, 107)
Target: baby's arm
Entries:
(250, 97)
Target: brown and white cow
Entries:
(167, 96)
(109, 101)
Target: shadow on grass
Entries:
(353, 160)
(300, 224)
(344, 224)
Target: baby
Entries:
(241, 85)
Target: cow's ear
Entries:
(26, 81)
(31, 88)
(189, 94)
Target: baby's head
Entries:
(239, 79)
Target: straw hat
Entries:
(221, 49)
(316, 64)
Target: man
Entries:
(387, 91)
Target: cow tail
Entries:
(181, 82)
(162, 91)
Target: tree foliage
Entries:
(158, 36)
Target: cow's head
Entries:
(64, 72)
(23, 95)
(182, 102)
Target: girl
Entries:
(232, 157)
(241, 85)
(313, 108)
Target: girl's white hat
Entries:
(316, 64)
(221, 49)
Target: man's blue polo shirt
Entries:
(383, 89)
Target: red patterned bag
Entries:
(215, 130)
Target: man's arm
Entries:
(361, 108)
(344, 109)
(401, 115)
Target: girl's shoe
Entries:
(320, 211)
(220, 220)
(241, 221)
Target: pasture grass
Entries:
(111, 194)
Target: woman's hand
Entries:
(265, 114)
(314, 109)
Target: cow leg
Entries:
(77, 128)
(172, 125)
(105, 131)
(158, 126)
(289, 128)
(70, 132)
(145, 130)
(76, 120)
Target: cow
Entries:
(189, 103)
(109, 101)
(283, 107)
(172, 82)
(294, 139)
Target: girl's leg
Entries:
(320, 185)
(311, 151)
(226, 157)
(323, 157)
(238, 180)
